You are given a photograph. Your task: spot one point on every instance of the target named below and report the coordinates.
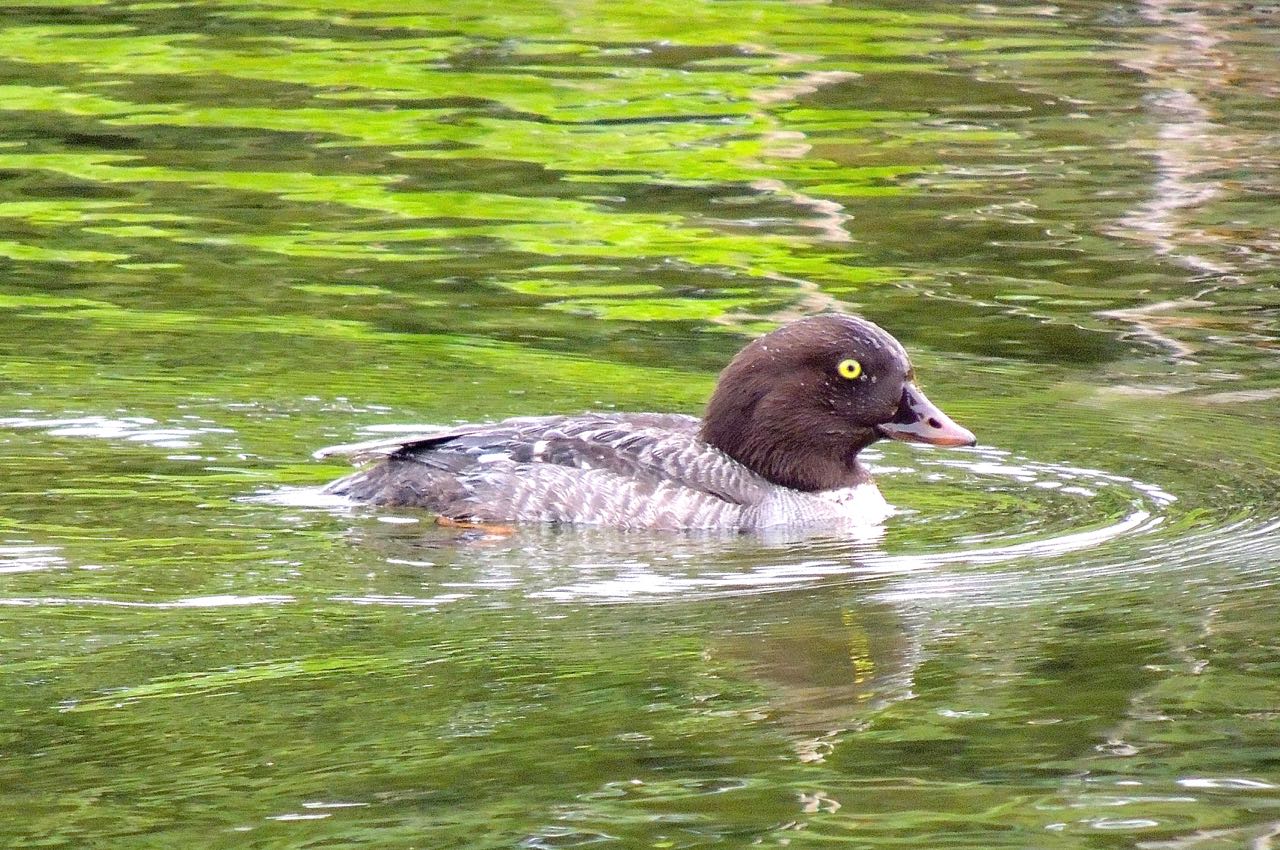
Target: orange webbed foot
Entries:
(489, 528)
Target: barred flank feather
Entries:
(627, 471)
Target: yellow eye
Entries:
(850, 368)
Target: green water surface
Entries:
(234, 232)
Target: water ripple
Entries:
(135, 429)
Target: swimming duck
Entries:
(778, 446)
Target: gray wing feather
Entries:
(630, 470)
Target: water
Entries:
(236, 232)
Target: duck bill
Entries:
(920, 421)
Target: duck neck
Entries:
(786, 450)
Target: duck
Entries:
(777, 446)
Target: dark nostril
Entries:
(934, 422)
(905, 415)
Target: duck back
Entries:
(643, 470)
